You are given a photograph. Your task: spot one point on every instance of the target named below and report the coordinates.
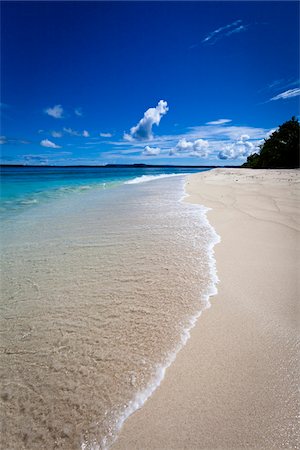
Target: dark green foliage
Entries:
(280, 150)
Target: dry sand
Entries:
(234, 384)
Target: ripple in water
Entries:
(100, 291)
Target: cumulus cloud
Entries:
(47, 143)
(151, 151)
(287, 94)
(219, 122)
(143, 130)
(85, 133)
(105, 135)
(197, 148)
(226, 30)
(221, 140)
(242, 147)
(56, 112)
(269, 133)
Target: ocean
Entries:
(104, 273)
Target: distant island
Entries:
(120, 166)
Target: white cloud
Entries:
(268, 134)
(72, 132)
(226, 30)
(282, 83)
(197, 148)
(239, 149)
(56, 134)
(274, 83)
(105, 135)
(287, 94)
(232, 132)
(219, 122)
(212, 141)
(236, 30)
(151, 151)
(14, 141)
(78, 112)
(143, 130)
(36, 159)
(56, 112)
(47, 143)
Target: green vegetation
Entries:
(280, 150)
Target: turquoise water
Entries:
(103, 274)
(23, 187)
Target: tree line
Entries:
(280, 151)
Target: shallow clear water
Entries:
(23, 187)
(99, 292)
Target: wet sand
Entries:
(234, 384)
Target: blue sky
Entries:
(145, 82)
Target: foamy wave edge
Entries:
(146, 178)
(141, 397)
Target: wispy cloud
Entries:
(287, 94)
(143, 130)
(105, 135)
(219, 122)
(151, 151)
(46, 158)
(12, 141)
(72, 132)
(225, 133)
(282, 83)
(275, 83)
(78, 112)
(277, 88)
(56, 134)
(56, 112)
(36, 159)
(50, 144)
(226, 30)
(236, 30)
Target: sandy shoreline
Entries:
(234, 384)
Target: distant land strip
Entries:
(118, 166)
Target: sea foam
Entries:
(145, 178)
(142, 396)
(120, 277)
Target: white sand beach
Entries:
(234, 384)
